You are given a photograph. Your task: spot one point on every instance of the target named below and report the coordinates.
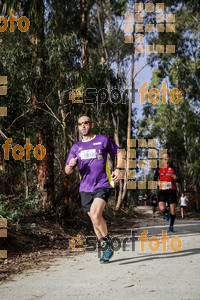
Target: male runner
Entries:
(91, 153)
(154, 203)
(167, 190)
(145, 200)
(140, 200)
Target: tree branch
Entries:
(18, 118)
(140, 71)
(3, 135)
(51, 114)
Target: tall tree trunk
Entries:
(102, 46)
(122, 187)
(131, 100)
(84, 53)
(66, 144)
(25, 170)
(197, 198)
(46, 173)
(44, 131)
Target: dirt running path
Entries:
(129, 275)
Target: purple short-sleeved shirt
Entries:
(93, 162)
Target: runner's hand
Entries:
(174, 176)
(115, 175)
(73, 162)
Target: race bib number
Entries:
(166, 185)
(88, 154)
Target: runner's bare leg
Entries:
(96, 230)
(162, 206)
(98, 221)
(182, 212)
(172, 208)
(154, 210)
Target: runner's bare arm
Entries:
(176, 176)
(116, 173)
(70, 167)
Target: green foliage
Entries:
(16, 209)
(42, 64)
(177, 127)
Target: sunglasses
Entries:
(84, 122)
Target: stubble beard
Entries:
(86, 133)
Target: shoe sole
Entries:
(107, 261)
(104, 262)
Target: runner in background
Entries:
(140, 200)
(154, 203)
(145, 200)
(183, 203)
(167, 191)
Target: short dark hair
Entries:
(168, 153)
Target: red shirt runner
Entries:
(165, 177)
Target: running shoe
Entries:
(110, 241)
(108, 250)
(104, 259)
(171, 229)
